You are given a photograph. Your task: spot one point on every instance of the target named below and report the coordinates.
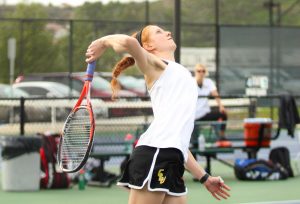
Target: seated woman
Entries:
(206, 88)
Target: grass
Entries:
(242, 192)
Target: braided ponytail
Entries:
(123, 64)
(126, 62)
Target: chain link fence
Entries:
(30, 116)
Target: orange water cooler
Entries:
(257, 132)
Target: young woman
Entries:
(206, 87)
(155, 169)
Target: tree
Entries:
(32, 40)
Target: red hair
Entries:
(123, 64)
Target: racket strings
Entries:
(76, 138)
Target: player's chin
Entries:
(172, 47)
(173, 44)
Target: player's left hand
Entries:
(217, 187)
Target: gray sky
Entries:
(60, 2)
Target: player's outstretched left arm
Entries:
(215, 185)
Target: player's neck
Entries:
(199, 81)
(166, 56)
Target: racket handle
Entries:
(90, 71)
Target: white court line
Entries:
(277, 202)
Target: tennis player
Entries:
(154, 172)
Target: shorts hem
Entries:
(128, 185)
(167, 191)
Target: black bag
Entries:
(258, 170)
(51, 175)
(288, 114)
(281, 156)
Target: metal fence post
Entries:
(22, 116)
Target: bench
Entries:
(229, 103)
(211, 153)
(103, 151)
(208, 129)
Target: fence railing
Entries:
(27, 116)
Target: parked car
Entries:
(11, 113)
(134, 84)
(7, 91)
(46, 89)
(100, 86)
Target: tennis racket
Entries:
(77, 135)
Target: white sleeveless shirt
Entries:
(203, 107)
(173, 97)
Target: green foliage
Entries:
(115, 11)
(32, 41)
(28, 11)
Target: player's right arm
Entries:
(149, 64)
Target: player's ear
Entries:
(148, 46)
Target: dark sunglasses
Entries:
(201, 71)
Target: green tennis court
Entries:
(263, 192)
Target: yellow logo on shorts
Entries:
(161, 177)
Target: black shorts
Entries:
(161, 169)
